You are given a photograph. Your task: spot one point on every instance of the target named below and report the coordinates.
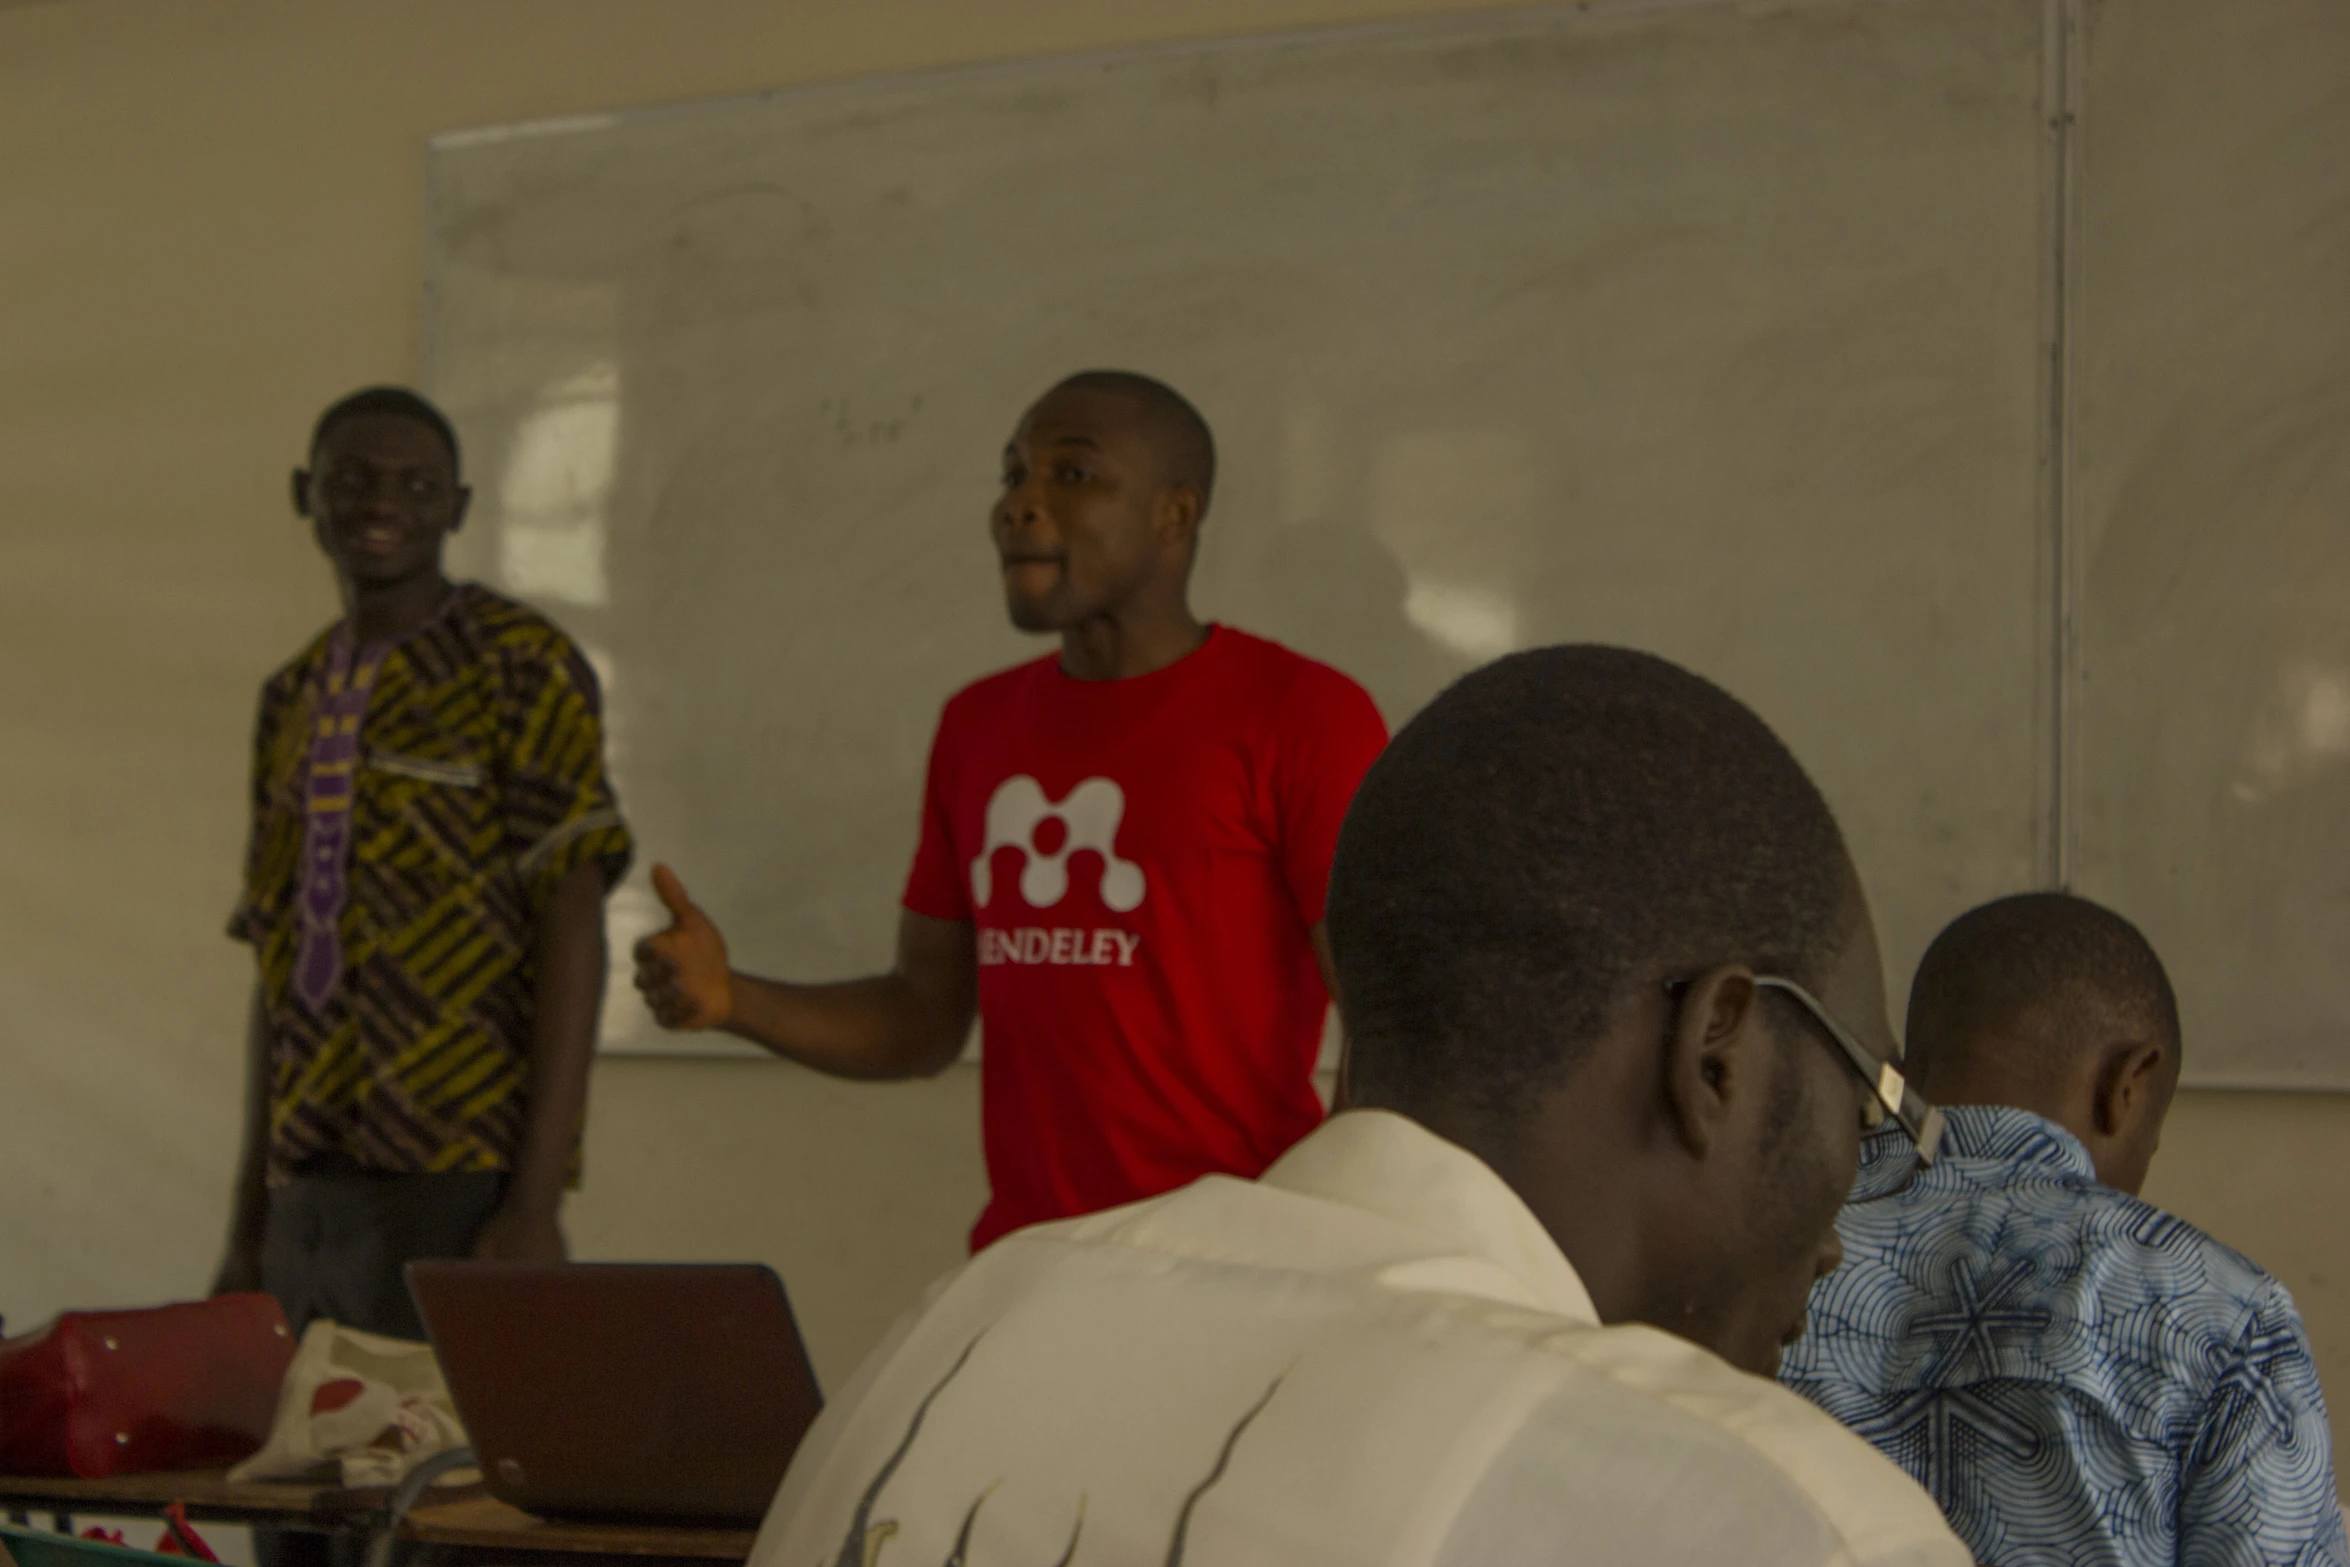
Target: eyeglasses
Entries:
(1890, 1096)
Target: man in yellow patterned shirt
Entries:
(432, 840)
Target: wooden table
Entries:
(476, 1524)
(457, 1525)
(208, 1495)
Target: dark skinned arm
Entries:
(240, 1268)
(909, 1022)
(571, 969)
(1321, 937)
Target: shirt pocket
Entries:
(456, 773)
(432, 813)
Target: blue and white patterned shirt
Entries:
(2078, 1377)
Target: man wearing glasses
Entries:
(2077, 1376)
(1616, 1028)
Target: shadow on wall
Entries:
(1332, 591)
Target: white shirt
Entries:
(1374, 1355)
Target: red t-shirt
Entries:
(1143, 861)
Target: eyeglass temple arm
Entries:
(1922, 1121)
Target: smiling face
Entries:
(382, 496)
(1089, 520)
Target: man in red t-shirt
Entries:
(1123, 852)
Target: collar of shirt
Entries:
(2003, 1135)
(1397, 1169)
(1981, 1143)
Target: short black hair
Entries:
(1182, 437)
(1556, 831)
(2049, 964)
(395, 400)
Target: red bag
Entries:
(99, 1393)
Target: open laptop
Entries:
(622, 1390)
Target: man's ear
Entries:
(1179, 514)
(1713, 1053)
(2129, 1086)
(464, 503)
(300, 489)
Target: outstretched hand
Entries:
(683, 972)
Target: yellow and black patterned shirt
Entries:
(480, 787)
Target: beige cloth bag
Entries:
(362, 1406)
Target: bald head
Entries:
(1177, 434)
(2050, 1003)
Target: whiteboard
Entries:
(2214, 470)
(1712, 330)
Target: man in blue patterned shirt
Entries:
(2078, 1377)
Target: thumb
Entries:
(672, 894)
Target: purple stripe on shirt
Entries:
(340, 710)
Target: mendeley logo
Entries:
(1047, 832)
(1020, 817)
(1063, 946)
